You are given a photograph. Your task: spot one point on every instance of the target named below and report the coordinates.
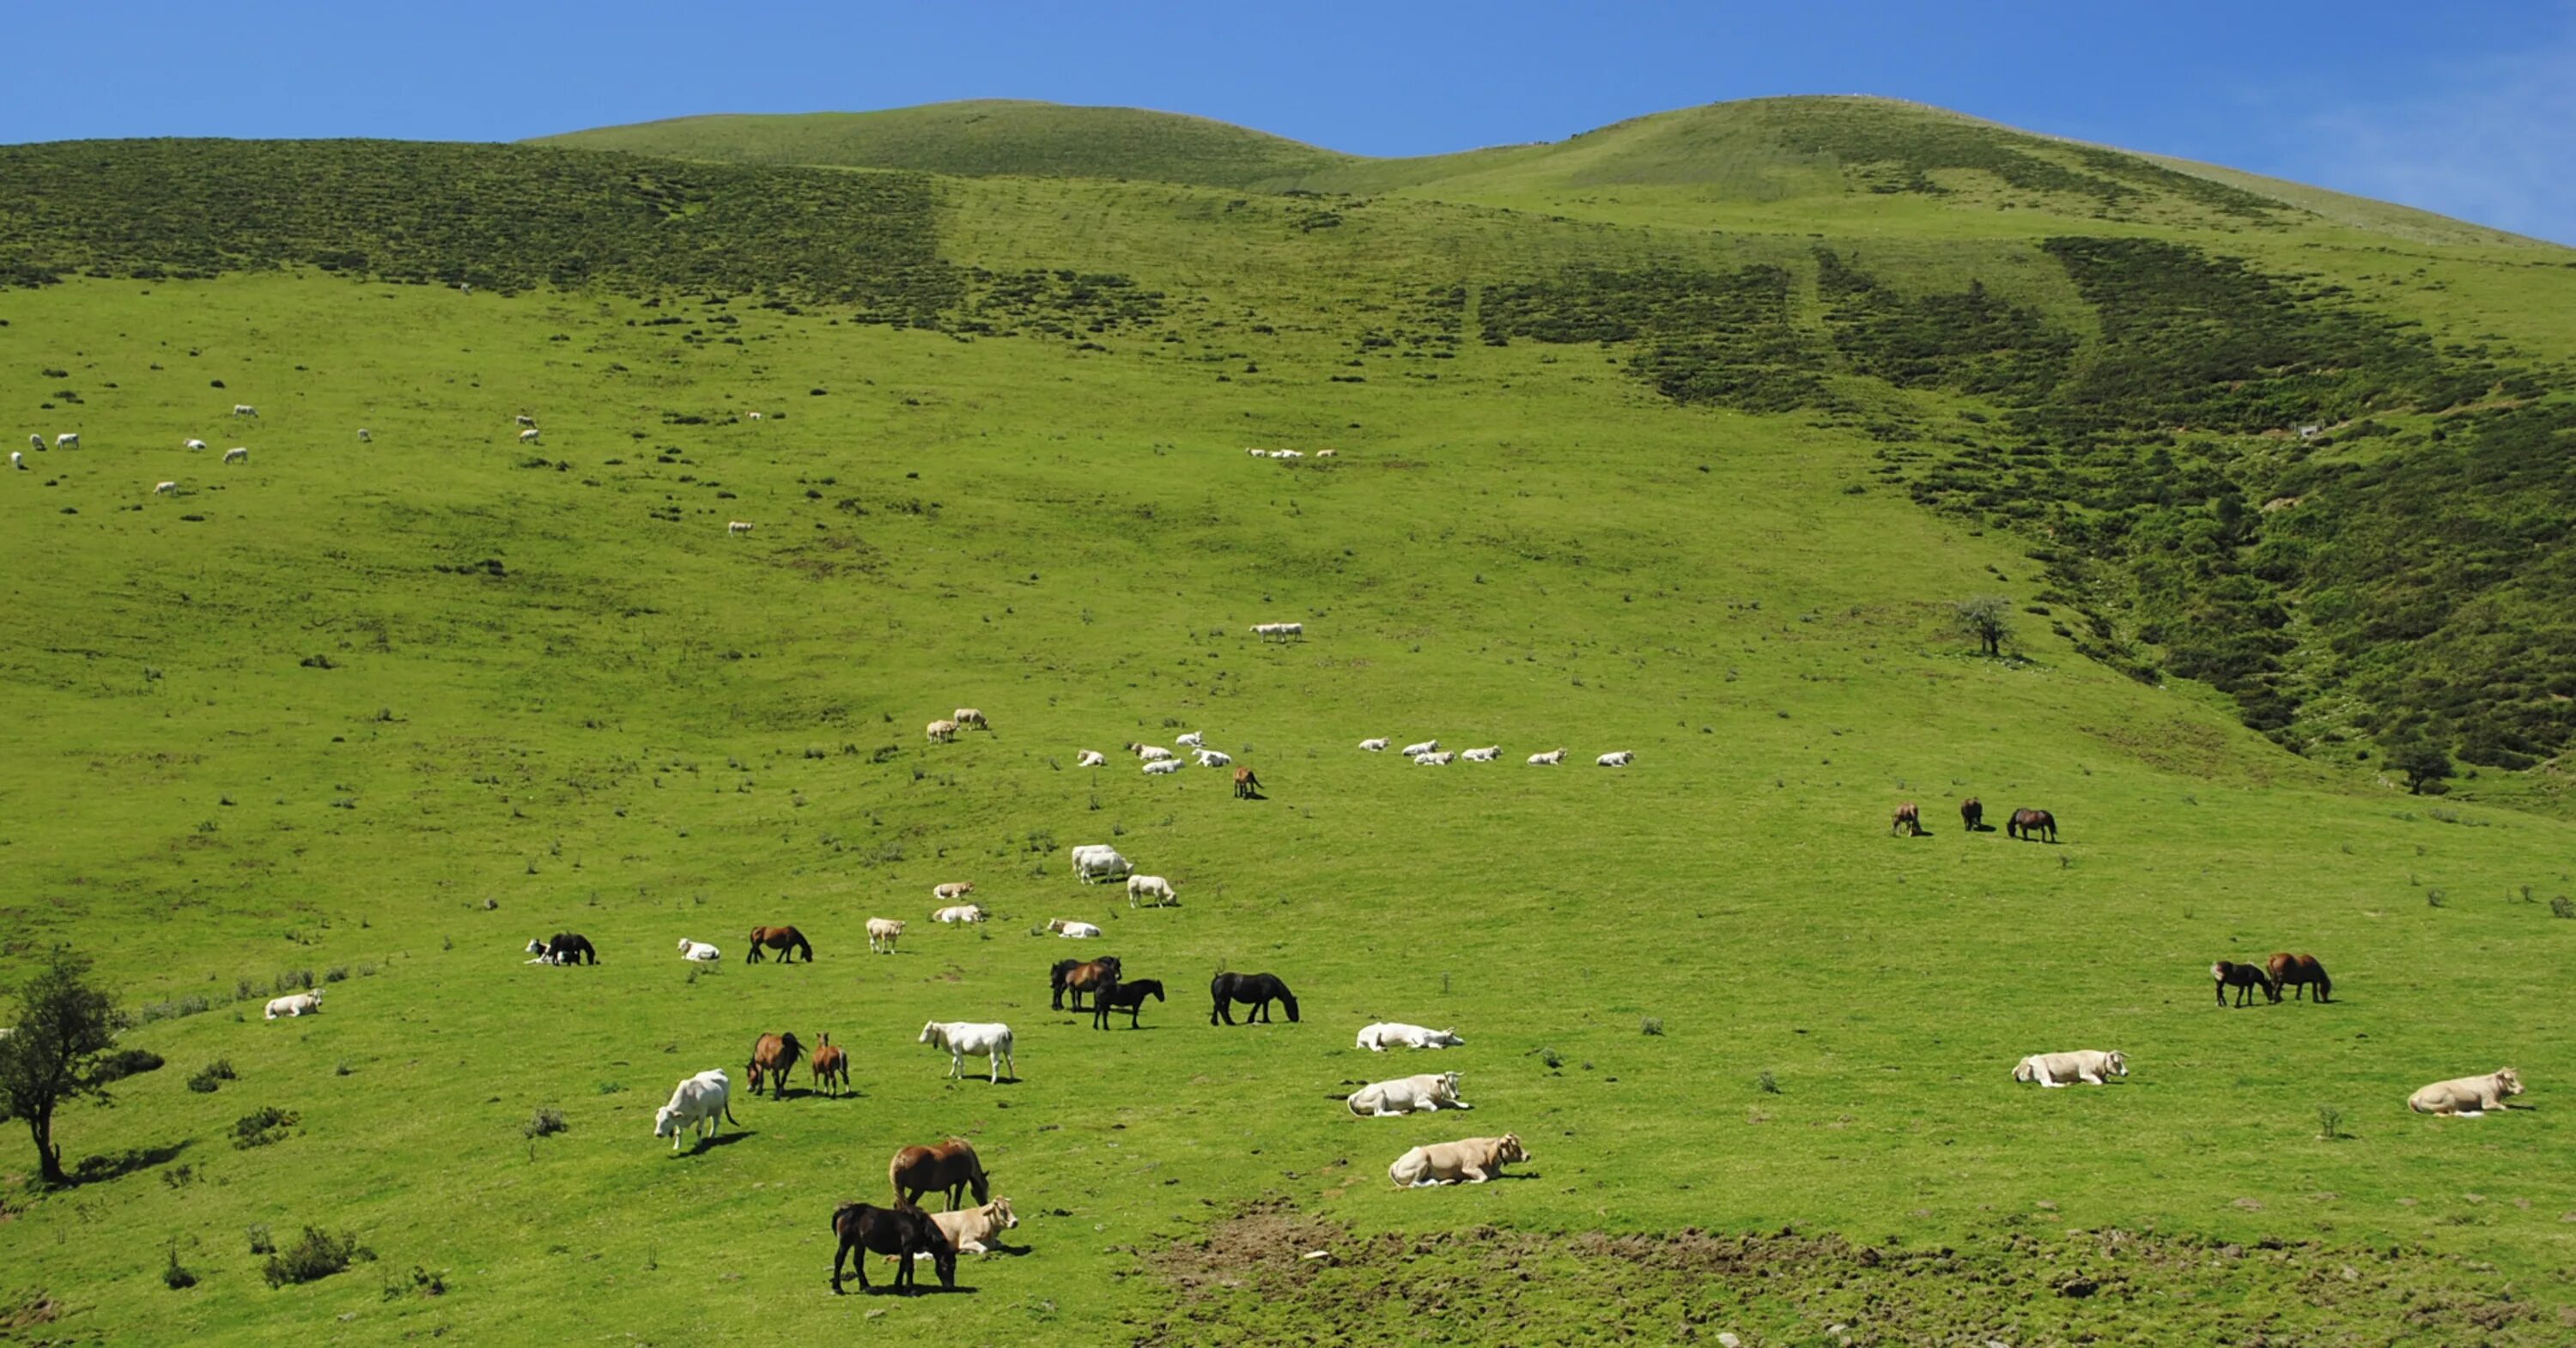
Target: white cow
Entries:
(1151, 753)
(301, 1004)
(1072, 930)
(36, 442)
(1438, 760)
(67, 440)
(755, 416)
(526, 420)
(697, 1104)
(1418, 750)
(737, 528)
(1620, 759)
(1375, 746)
(882, 933)
(940, 731)
(237, 454)
(165, 488)
(1485, 755)
(1547, 760)
(194, 444)
(1327, 453)
(244, 410)
(962, 912)
(1152, 887)
(2090, 1066)
(966, 716)
(1090, 758)
(18, 459)
(2468, 1097)
(1428, 1092)
(1384, 1035)
(363, 435)
(699, 951)
(1101, 864)
(1191, 740)
(528, 436)
(1163, 767)
(972, 1230)
(968, 1039)
(1214, 758)
(954, 889)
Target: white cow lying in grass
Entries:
(1427, 1092)
(1418, 750)
(1152, 887)
(1191, 740)
(972, 1230)
(1471, 1160)
(1164, 767)
(1090, 758)
(699, 951)
(1439, 760)
(301, 1004)
(1620, 759)
(1151, 753)
(970, 1039)
(1375, 746)
(697, 1104)
(1485, 755)
(2467, 1097)
(2092, 1066)
(1072, 930)
(1384, 1035)
(953, 890)
(1547, 760)
(962, 912)
(195, 444)
(1213, 758)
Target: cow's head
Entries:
(2116, 1063)
(665, 1123)
(930, 1034)
(2026, 1070)
(1449, 1085)
(1449, 1036)
(1003, 1218)
(1508, 1148)
(2508, 1081)
(536, 947)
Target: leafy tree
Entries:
(2425, 764)
(1988, 619)
(57, 1051)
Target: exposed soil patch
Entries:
(1249, 1281)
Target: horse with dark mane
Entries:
(2244, 978)
(1127, 997)
(774, 1056)
(787, 941)
(2299, 971)
(831, 1067)
(1246, 785)
(899, 1231)
(2028, 825)
(951, 1166)
(1908, 821)
(1972, 815)
(1254, 990)
(1081, 976)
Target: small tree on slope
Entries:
(54, 1051)
(1988, 618)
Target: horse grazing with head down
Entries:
(1908, 821)
(2299, 971)
(787, 941)
(1254, 990)
(2244, 978)
(773, 1056)
(2028, 825)
(1127, 997)
(1078, 977)
(949, 1167)
(899, 1231)
(1972, 815)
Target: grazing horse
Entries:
(1254, 990)
(1246, 786)
(899, 1231)
(1080, 976)
(787, 941)
(2028, 825)
(2244, 978)
(1127, 997)
(1972, 815)
(773, 1056)
(831, 1067)
(2299, 971)
(564, 947)
(1908, 821)
(950, 1166)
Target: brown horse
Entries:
(949, 1166)
(831, 1067)
(2299, 971)
(773, 1056)
(2244, 978)
(1908, 821)
(1246, 786)
(2028, 825)
(787, 941)
(1079, 977)
(1972, 815)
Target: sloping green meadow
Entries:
(383, 712)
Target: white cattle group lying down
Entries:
(1385, 1035)
(1428, 753)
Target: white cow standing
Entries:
(1152, 887)
(971, 1039)
(1099, 861)
(237, 454)
(67, 440)
(697, 1104)
(18, 459)
(883, 932)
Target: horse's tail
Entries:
(894, 1178)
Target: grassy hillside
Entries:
(379, 713)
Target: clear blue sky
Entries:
(2467, 107)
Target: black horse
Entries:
(1253, 990)
(1127, 997)
(902, 1232)
(1060, 979)
(2245, 978)
(564, 947)
(1972, 815)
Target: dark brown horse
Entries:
(1246, 786)
(1127, 997)
(831, 1067)
(1078, 977)
(1254, 990)
(2028, 825)
(2299, 971)
(787, 941)
(950, 1166)
(899, 1231)
(1972, 815)
(1908, 821)
(772, 1057)
(2244, 978)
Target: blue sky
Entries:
(2467, 107)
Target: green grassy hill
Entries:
(373, 715)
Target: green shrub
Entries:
(318, 1255)
(205, 1080)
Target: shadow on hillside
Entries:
(708, 1144)
(117, 1165)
